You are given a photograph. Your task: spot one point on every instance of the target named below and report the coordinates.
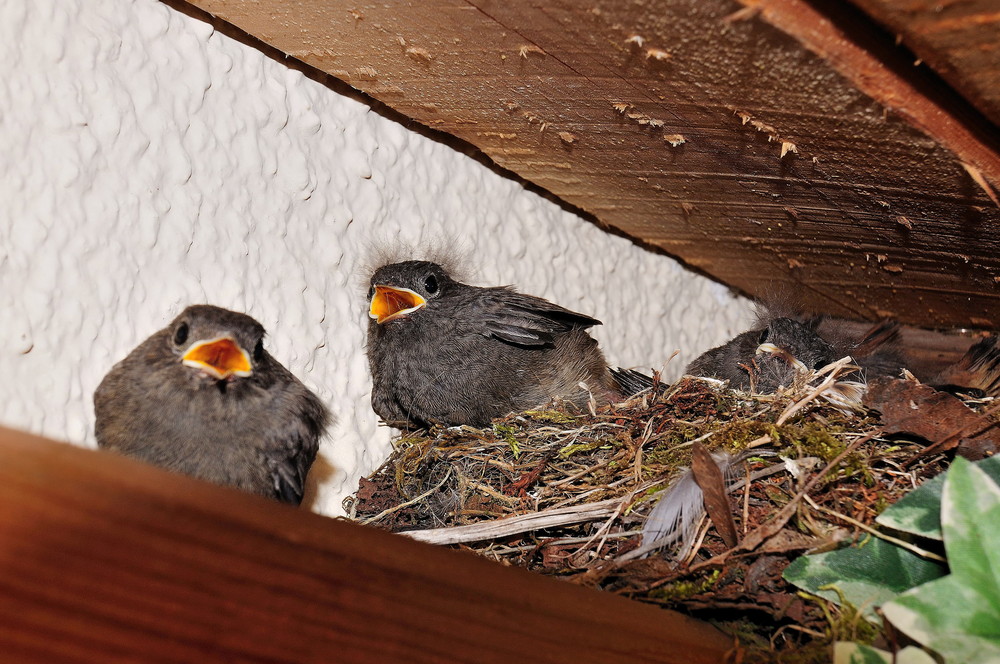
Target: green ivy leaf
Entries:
(866, 575)
(846, 652)
(919, 511)
(959, 615)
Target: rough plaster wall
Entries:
(149, 163)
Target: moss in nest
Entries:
(685, 589)
(506, 433)
(544, 461)
(578, 448)
(737, 434)
(554, 416)
(408, 440)
(880, 503)
(844, 621)
(865, 471)
(812, 439)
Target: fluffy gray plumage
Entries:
(739, 362)
(796, 343)
(258, 433)
(471, 354)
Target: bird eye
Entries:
(181, 335)
(819, 365)
(763, 335)
(258, 351)
(431, 284)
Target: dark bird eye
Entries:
(181, 335)
(763, 335)
(431, 284)
(258, 351)
(819, 365)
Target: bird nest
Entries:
(566, 493)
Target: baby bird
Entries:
(784, 344)
(204, 398)
(765, 358)
(444, 352)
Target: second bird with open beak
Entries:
(204, 398)
(444, 352)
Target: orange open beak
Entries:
(390, 303)
(220, 358)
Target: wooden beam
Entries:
(106, 559)
(958, 39)
(762, 143)
(869, 69)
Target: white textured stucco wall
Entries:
(147, 163)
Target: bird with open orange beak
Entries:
(390, 302)
(441, 351)
(221, 358)
(203, 397)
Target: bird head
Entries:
(214, 341)
(400, 289)
(788, 347)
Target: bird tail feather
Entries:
(631, 382)
(984, 362)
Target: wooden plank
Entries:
(812, 155)
(106, 559)
(959, 39)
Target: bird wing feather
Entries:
(291, 452)
(525, 320)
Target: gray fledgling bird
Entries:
(202, 397)
(444, 352)
(781, 346)
(765, 358)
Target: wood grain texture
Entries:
(759, 142)
(104, 559)
(959, 39)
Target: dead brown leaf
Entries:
(708, 476)
(938, 417)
